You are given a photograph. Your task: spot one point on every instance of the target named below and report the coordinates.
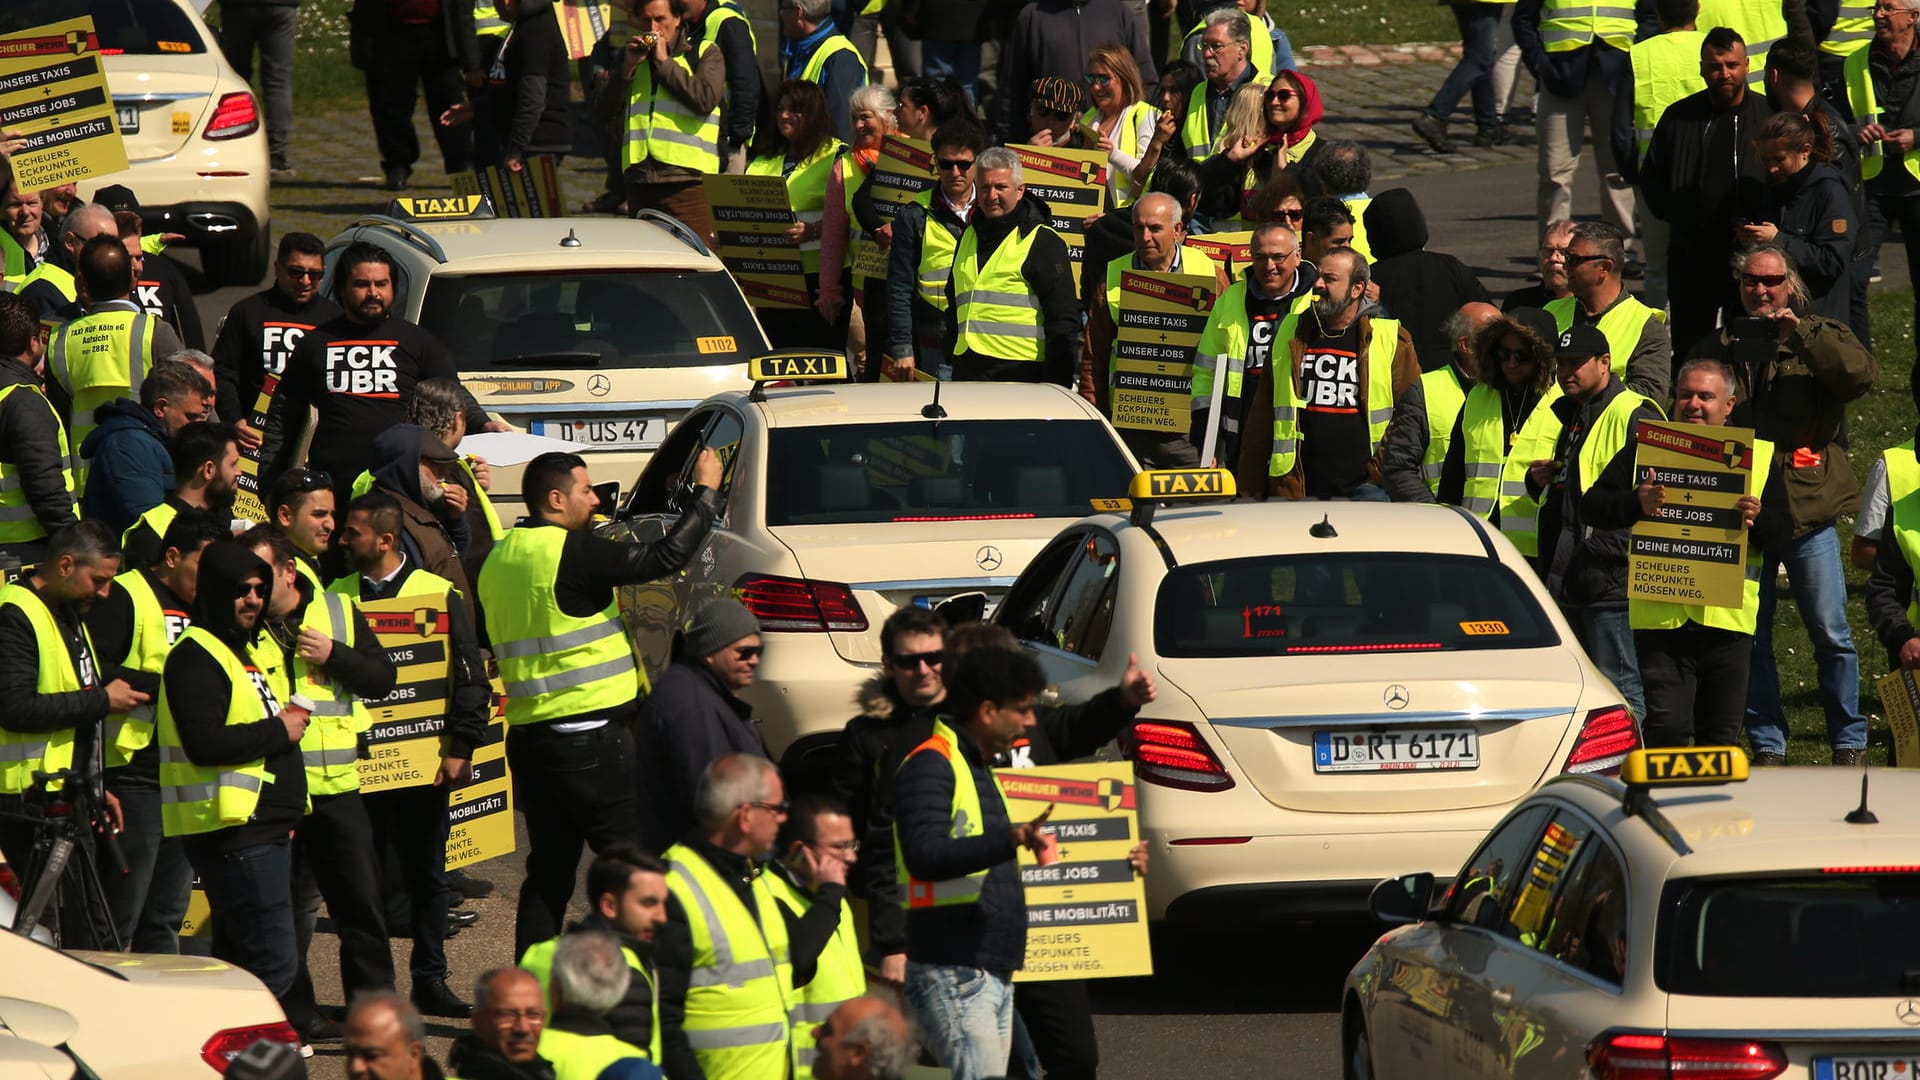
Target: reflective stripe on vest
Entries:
(23, 753)
(1379, 407)
(1483, 426)
(153, 634)
(1666, 68)
(1445, 396)
(1866, 109)
(663, 129)
(937, 245)
(487, 21)
(330, 748)
(1852, 30)
(594, 672)
(1566, 25)
(201, 799)
(18, 522)
(966, 820)
(1224, 343)
(740, 991)
(994, 311)
(97, 358)
(806, 191)
(1656, 615)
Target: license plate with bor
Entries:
(636, 433)
(1399, 750)
(129, 119)
(1867, 1067)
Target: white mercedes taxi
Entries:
(1684, 920)
(846, 501)
(1347, 689)
(598, 331)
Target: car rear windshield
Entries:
(1815, 935)
(953, 470)
(143, 27)
(1285, 605)
(602, 321)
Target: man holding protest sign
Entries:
(1015, 307)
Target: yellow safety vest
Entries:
(1537, 438)
(97, 358)
(1125, 138)
(582, 1057)
(1446, 395)
(205, 798)
(1866, 108)
(1483, 427)
(996, 313)
(553, 664)
(1196, 128)
(1286, 419)
(834, 45)
(1659, 615)
(18, 522)
(487, 21)
(852, 175)
(47, 271)
(13, 259)
(840, 976)
(1903, 490)
(719, 13)
(915, 893)
(1760, 23)
(1566, 25)
(664, 129)
(1852, 30)
(159, 518)
(937, 244)
(1224, 343)
(1666, 68)
(806, 191)
(330, 748)
(1357, 207)
(23, 753)
(741, 991)
(538, 960)
(155, 629)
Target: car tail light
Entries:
(9, 882)
(1657, 1057)
(1605, 739)
(223, 1046)
(1172, 754)
(234, 116)
(795, 604)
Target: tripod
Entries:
(69, 816)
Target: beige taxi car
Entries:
(846, 501)
(603, 332)
(1685, 919)
(1347, 689)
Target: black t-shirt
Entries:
(1263, 323)
(1334, 447)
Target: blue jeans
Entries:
(1474, 72)
(1282, 50)
(150, 900)
(250, 897)
(1820, 589)
(966, 1017)
(1605, 634)
(959, 60)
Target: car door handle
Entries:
(1503, 996)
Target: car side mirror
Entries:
(1405, 899)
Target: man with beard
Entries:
(1330, 404)
(1246, 320)
(509, 1015)
(206, 474)
(628, 888)
(261, 331)
(357, 372)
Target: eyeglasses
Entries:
(1771, 281)
(1576, 260)
(845, 847)
(299, 274)
(1272, 256)
(1281, 94)
(912, 661)
(1098, 80)
(748, 652)
(256, 588)
(769, 807)
(1214, 46)
(955, 164)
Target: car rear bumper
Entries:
(803, 688)
(203, 223)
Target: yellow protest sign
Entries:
(195, 923)
(903, 170)
(1086, 913)
(404, 742)
(1694, 551)
(1161, 317)
(1073, 184)
(751, 216)
(1900, 700)
(533, 192)
(1550, 862)
(582, 22)
(1227, 249)
(480, 811)
(54, 94)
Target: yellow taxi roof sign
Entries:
(798, 365)
(1169, 485)
(440, 208)
(1684, 765)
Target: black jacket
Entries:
(743, 79)
(365, 669)
(990, 933)
(1889, 591)
(1702, 176)
(1420, 288)
(471, 1059)
(30, 712)
(198, 692)
(30, 441)
(1407, 440)
(1814, 212)
(248, 350)
(469, 697)
(110, 626)
(530, 81)
(163, 292)
(370, 20)
(1586, 566)
(438, 543)
(688, 721)
(1049, 276)
(1053, 37)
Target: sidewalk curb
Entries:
(1376, 55)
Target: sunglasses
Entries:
(955, 164)
(298, 274)
(1295, 216)
(1281, 95)
(310, 480)
(255, 588)
(1576, 260)
(1099, 80)
(1505, 354)
(912, 661)
(1550, 252)
(748, 652)
(770, 807)
(1771, 281)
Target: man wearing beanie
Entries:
(695, 717)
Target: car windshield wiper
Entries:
(540, 359)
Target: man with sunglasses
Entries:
(260, 331)
(925, 233)
(1796, 373)
(695, 715)
(131, 468)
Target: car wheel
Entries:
(239, 261)
(1359, 1063)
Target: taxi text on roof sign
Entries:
(440, 208)
(804, 365)
(1685, 765)
(1166, 484)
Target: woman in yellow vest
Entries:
(847, 235)
(799, 145)
(1512, 372)
(1121, 117)
(1246, 154)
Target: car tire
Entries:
(240, 261)
(1359, 1058)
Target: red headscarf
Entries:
(1310, 110)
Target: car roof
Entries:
(534, 244)
(821, 404)
(1779, 819)
(1209, 532)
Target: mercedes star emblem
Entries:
(987, 558)
(1908, 1012)
(1395, 696)
(598, 386)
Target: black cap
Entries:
(117, 197)
(1580, 342)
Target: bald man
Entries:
(385, 1039)
(1159, 238)
(1415, 449)
(864, 1039)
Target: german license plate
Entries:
(637, 433)
(1399, 750)
(1867, 1067)
(129, 119)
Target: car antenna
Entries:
(1324, 530)
(933, 410)
(1861, 815)
(570, 240)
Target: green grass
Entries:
(1364, 22)
(1881, 419)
